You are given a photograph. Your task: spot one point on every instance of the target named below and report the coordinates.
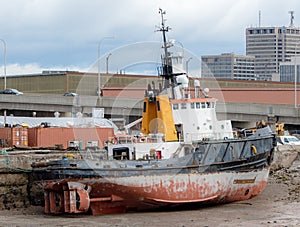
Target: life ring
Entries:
(253, 149)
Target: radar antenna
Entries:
(292, 18)
(167, 68)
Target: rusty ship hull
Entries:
(82, 186)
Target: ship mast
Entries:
(167, 61)
(167, 69)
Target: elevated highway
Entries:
(125, 106)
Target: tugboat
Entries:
(183, 156)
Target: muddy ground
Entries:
(278, 205)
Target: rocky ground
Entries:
(278, 205)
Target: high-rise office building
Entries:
(228, 66)
(290, 71)
(271, 46)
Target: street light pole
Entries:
(295, 80)
(4, 69)
(4, 60)
(295, 77)
(107, 62)
(99, 82)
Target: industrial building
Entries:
(228, 66)
(83, 83)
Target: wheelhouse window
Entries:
(192, 105)
(183, 105)
(198, 105)
(175, 106)
(203, 105)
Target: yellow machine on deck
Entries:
(279, 127)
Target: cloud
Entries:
(16, 69)
(54, 32)
(35, 68)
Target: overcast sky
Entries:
(64, 34)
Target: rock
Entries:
(284, 156)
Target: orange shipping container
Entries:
(49, 137)
(13, 137)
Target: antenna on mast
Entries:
(164, 29)
(292, 18)
(167, 67)
(259, 18)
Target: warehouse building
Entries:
(83, 83)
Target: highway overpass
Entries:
(242, 114)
